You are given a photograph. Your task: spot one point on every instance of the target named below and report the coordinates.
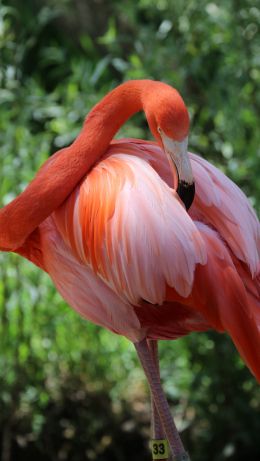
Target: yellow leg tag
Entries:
(160, 449)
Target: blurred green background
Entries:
(68, 389)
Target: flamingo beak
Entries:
(178, 157)
(187, 193)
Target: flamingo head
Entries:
(168, 120)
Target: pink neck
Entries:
(62, 172)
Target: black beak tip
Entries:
(186, 193)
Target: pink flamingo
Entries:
(105, 219)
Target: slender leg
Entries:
(161, 403)
(157, 429)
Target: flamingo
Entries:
(130, 244)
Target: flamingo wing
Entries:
(126, 223)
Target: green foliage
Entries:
(66, 385)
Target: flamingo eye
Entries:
(159, 130)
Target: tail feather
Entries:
(229, 299)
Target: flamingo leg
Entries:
(152, 374)
(156, 427)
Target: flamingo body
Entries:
(125, 254)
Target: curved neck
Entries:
(62, 172)
(114, 110)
